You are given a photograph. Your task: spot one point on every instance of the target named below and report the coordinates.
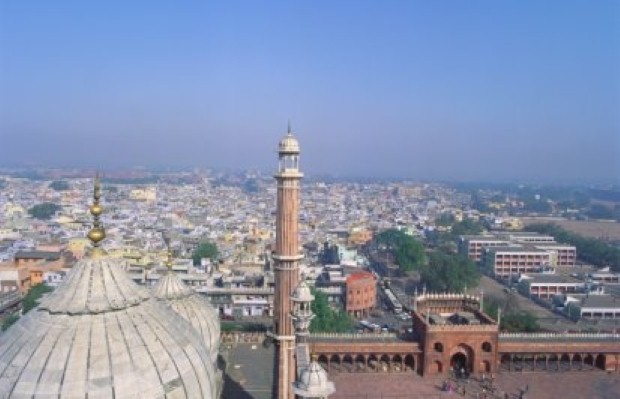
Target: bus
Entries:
(393, 302)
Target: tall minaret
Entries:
(286, 259)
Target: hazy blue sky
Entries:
(458, 90)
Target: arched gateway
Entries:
(452, 333)
(462, 359)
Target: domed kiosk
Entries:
(191, 306)
(98, 335)
(313, 382)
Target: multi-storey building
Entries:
(511, 261)
(473, 246)
(561, 254)
(527, 237)
(361, 293)
(549, 285)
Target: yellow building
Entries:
(148, 194)
(359, 236)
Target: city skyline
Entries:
(459, 92)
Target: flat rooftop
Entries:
(517, 249)
(249, 371)
(600, 301)
(552, 278)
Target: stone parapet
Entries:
(577, 337)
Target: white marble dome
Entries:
(288, 144)
(193, 307)
(313, 382)
(302, 293)
(99, 335)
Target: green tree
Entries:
(466, 226)
(205, 249)
(407, 251)
(512, 320)
(591, 250)
(9, 321)
(445, 219)
(59, 185)
(449, 272)
(520, 322)
(31, 300)
(44, 211)
(598, 211)
(327, 319)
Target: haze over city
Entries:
(490, 90)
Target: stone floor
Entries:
(568, 385)
(249, 371)
(384, 386)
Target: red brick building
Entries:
(361, 293)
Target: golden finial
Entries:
(97, 233)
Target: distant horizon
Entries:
(459, 91)
(308, 175)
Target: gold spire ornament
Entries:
(97, 233)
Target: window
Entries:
(438, 347)
(486, 347)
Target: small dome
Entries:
(313, 382)
(193, 307)
(288, 144)
(302, 293)
(100, 335)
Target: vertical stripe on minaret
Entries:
(286, 259)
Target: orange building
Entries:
(360, 237)
(361, 293)
(36, 263)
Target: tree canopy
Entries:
(449, 272)
(44, 211)
(447, 241)
(407, 251)
(9, 321)
(512, 320)
(445, 219)
(59, 185)
(205, 249)
(591, 250)
(31, 300)
(327, 319)
(465, 227)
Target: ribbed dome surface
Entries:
(288, 145)
(192, 307)
(313, 382)
(100, 336)
(95, 286)
(302, 293)
(171, 287)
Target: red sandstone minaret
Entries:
(286, 259)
